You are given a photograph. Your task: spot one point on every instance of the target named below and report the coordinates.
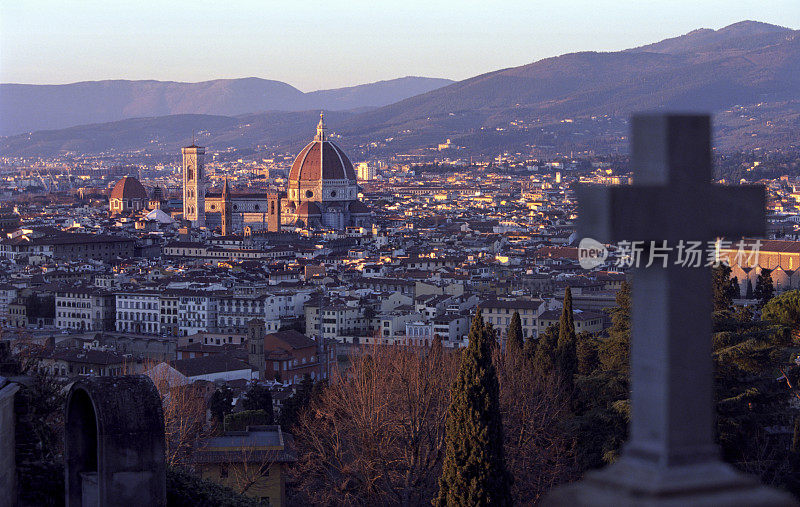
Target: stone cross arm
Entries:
(654, 212)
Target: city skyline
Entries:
(348, 45)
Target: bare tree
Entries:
(248, 465)
(539, 452)
(184, 407)
(376, 433)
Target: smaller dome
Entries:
(128, 188)
(309, 209)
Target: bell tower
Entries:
(194, 191)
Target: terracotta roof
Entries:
(294, 339)
(209, 364)
(128, 188)
(558, 252)
(359, 207)
(308, 209)
(321, 158)
(767, 245)
(577, 315)
(533, 304)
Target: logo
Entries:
(591, 253)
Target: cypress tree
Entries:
(722, 288)
(566, 355)
(749, 291)
(614, 352)
(544, 356)
(586, 353)
(514, 339)
(764, 286)
(474, 470)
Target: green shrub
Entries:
(241, 420)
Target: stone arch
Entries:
(80, 440)
(114, 442)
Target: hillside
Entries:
(27, 108)
(710, 71)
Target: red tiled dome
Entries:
(322, 160)
(128, 188)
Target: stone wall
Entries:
(7, 453)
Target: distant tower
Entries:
(227, 210)
(274, 212)
(194, 191)
(256, 331)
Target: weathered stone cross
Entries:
(671, 456)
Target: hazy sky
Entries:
(313, 45)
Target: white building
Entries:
(84, 309)
(197, 311)
(139, 312)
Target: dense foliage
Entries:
(239, 421)
(221, 404)
(305, 392)
(258, 397)
(783, 310)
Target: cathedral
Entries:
(230, 211)
(322, 193)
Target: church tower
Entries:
(194, 191)
(227, 210)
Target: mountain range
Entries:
(27, 108)
(747, 74)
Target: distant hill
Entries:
(27, 108)
(705, 70)
(747, 74)
(166, 134)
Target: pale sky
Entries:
(316, 45)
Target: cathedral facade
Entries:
(230, 211)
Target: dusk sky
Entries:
(315, 45)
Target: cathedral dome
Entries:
(321, 160)
(128, 188)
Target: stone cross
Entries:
(671, 457)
